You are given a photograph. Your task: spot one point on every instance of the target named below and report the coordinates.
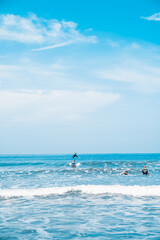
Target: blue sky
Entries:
(81, 76)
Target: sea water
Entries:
(43, 197)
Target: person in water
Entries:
(145, 171)
(74, 156)
(125, 173)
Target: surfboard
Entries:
(74, 164)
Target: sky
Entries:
(79, 76)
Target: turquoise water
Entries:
(43, 197)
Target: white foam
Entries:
(76, 164)
(87, 189)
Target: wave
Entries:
(137, 191)
(7, 164)
(76, 170)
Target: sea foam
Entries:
(138, 191)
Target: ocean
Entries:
(43, 197)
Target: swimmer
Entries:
(125, 173)
(145, 171)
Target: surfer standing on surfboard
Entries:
(74, 155)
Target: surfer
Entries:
(145, 171)
(125, 173)
(74, 155)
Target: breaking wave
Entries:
(137, 191)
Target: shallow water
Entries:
(43, 197)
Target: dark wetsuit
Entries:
(75, 155)
(125, 173)
(145, 171)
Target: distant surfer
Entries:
(125, 173)
(74, 156)
(145, 171)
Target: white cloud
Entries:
(112, 43)
(28, 74)
(41, 31)
(135, 45)
(89, 29)
(41, 106)
(122, 44)
(141, 76)
(54, 46)
(154, 17)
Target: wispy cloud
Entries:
(28, 74)
(34, 30)
(54, 46)
(43, 106)
(140, 76)
(154, 17)
(112, 43)
(135, 45)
